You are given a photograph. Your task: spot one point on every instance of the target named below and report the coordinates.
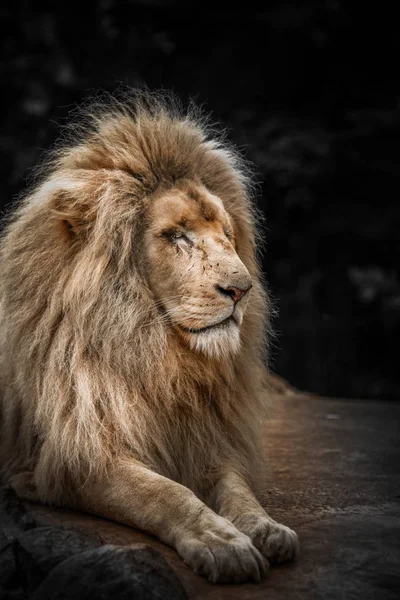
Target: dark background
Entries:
(311, 93)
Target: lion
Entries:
(134, 327)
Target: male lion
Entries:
(132, 337)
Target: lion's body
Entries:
(90, 375)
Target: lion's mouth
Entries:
(220, 325)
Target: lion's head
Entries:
(194, 270)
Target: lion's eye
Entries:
(172, 234)
(228, 233)
(175, 235)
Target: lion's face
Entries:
(197, 277)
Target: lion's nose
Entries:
(235, 293)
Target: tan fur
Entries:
(106, 398)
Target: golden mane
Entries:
(87, 372)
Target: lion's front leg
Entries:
(233, 499)
(210, 544)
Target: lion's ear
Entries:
(72, 226)
(72, 217)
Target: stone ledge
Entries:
(334, 476)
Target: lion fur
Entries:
(87, 372)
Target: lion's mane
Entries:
(88, 371)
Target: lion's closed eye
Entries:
(228, 233)
(175, 236)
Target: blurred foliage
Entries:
(310, 93)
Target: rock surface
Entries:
(14, 521)
(39, 550)
(112, 572)
(333, 476)
(14, 517)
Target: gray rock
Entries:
(14, 517)
(122, 573)
(10, 580)
(7, 564)
(14, 520)
(41, 549)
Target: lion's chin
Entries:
(216, 342)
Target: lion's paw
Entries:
(277, 542)
(224, 554)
